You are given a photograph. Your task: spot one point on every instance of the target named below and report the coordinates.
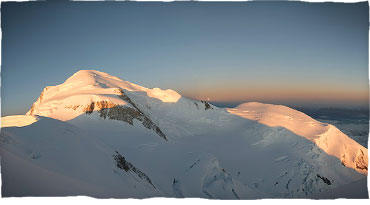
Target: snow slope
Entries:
(18, 120)
(326, 136)
(100, 136)
(54, 158)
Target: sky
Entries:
(273, 52)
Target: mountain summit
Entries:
(71, 98)
(98, 135)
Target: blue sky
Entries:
(277, 52)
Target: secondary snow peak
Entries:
(326, 136)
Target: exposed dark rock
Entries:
(90, 108)
(287, 184)
(206, 105)
(127, 99)
(74, 107)
(128, 114)
(196, 104)
(236, 196)
(360, 161)
(324, 179)
(139, 115)
(41, 96)
(39, 100)
(191, 166)
(32, 109)
(176, 187)
(123, 164)
(121, 113)
(343, 160)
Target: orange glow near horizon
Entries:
(282, 93)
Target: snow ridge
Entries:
(73, 131)
(326, 136)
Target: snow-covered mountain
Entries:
(327, 137)
(101, 136)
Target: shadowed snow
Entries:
(252, 151)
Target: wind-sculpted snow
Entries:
(249, 152)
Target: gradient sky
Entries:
(274, 52)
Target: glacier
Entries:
(101, 136)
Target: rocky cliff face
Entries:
(128, 114)
(361, 161)
(126, 166)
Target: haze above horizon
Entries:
(271, 52)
